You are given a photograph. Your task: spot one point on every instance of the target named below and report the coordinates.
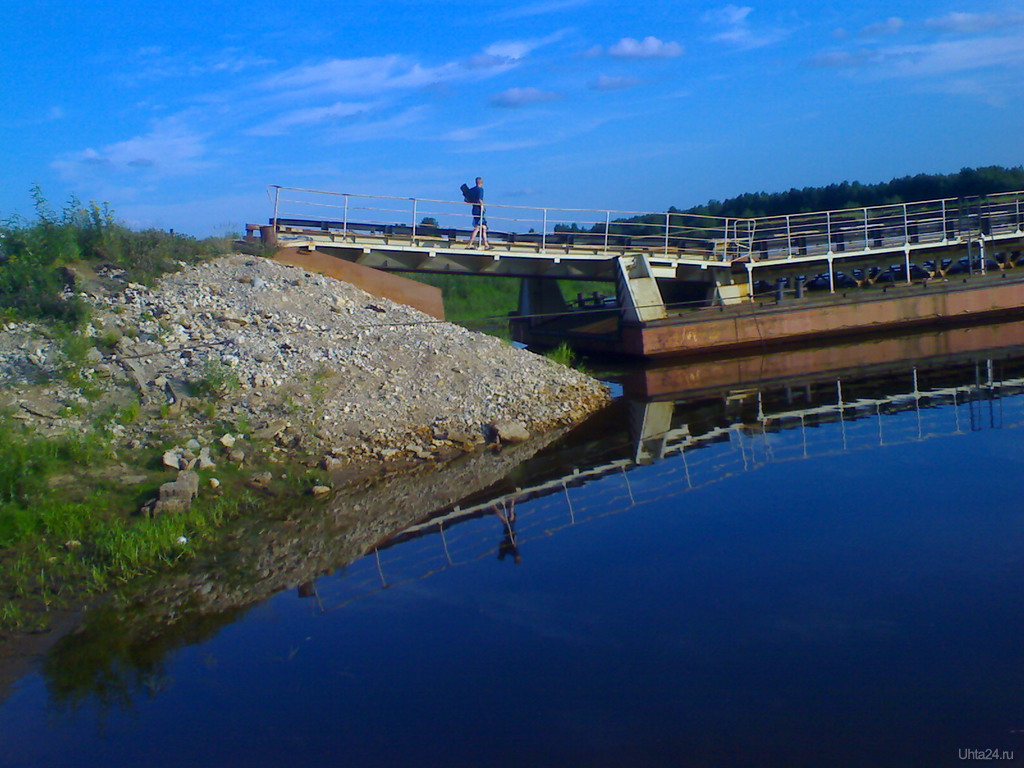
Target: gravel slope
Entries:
(303, 361)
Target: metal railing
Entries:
(545, 229)
(832, 234)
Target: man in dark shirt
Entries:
(475, 197)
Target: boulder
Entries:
(177, 495)
(509, 432)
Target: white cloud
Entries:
(648, 48)
(311, 116)
(170, 149)
(736, 30)
(610, 83)
(522, 97)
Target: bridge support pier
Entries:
(538, 297)
(637, 290)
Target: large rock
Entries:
(177, 495)
(510, 432)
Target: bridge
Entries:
(667, 264)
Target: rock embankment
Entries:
(296, 360)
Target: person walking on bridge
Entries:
(475, 197)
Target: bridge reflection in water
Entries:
(654, 448)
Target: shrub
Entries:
(32, 284)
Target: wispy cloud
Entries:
(474, 132)
(154, 63)
(514, 50)
(514, 98)
(733, 23)
(891, 26)
(539, 9)
(994, 94)
(611, 83)
(377, 75)
(359, 77)
(395, 126)
(940, 58)
(170, 149)
(312, 116)
(973, 23)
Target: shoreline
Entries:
(264, 381)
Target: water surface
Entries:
(804, 570)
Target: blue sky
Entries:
(179, 114)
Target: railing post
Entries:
(544, 232)
(666, 230)
(344, 223)
(607, 225)
(413, 217)
(945, 231)
(828, 229)
(789, 238)
(277, 197)
(867, 236)
(906, 227)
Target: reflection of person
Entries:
(475, 197)
(509, 546)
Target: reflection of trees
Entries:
(104, 663)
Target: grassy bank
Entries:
(69, 515)
(68, 504)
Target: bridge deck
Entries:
(388, 233)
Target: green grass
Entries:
(65, 532)
(563, 355)
(484, 303)
(33, 253)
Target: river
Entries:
(811, 558)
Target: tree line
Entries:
(969, 182)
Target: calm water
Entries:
(824, 569)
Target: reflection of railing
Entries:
(466, 534)
(901, 227)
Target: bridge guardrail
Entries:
(673, 234)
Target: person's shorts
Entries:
(479, 220)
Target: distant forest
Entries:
(967, 183)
